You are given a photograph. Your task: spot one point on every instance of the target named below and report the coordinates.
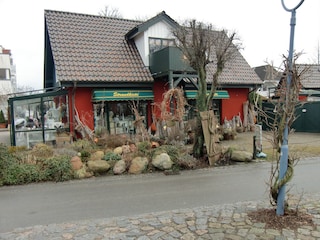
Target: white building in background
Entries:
(8, 82)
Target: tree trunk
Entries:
(198, 140)
(201, 106)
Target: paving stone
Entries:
(216, 222)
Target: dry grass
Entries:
(301, 145)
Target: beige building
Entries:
(7, 78)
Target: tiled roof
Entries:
(267, 72)
(311, 78)
(93, 48)
(237, 72)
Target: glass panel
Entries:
(40, 119)
(121, 118)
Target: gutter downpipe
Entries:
(73, 106)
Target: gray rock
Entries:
(99, 166)
(98, 155)
(241, 156)
(162, 161)
(119, 167)
(138, 165)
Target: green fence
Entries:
(308, 116)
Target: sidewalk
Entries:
(212, 222)
(228, 221)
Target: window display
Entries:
(38, 119)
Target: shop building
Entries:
(104, 64)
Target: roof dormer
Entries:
(152, 35)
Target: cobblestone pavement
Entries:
(228, 221)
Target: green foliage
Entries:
(144, 148)
(22, 174)
(57, 168)
(14, 172)
(171, 150)
(6, 160)
(111, 156)
(2, 119)
(85, 154)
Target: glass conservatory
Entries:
(38, 118)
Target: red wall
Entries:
(83, 105)
(159, 88)
(232, 106)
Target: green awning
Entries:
(106, 95)
(221, 94)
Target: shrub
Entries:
(144, 148)
(171, 150)
(6, 160)
(14, 172)
(14, 149)
(42, 150)
(82, 145)
(57, 168)
(111, 156)
(2, 119)
(22, 174)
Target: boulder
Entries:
(98, 155)
(241, 156)
(76, 163)
(118, 150)
(119, 167)
(138, 165)
(133, 147)
(99, 166)
(82, 173)
(162, 161)
(126, 149)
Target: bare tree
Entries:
(110, 12)
(282, 112)
(205, 48)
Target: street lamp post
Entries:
(284, 147)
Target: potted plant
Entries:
(3, 123)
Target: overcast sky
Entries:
(262, 25)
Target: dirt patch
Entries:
(292, 219)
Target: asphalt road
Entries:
(110, 196)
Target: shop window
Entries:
(118, 117)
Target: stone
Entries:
(98, 155)
(82, 173)
(119, 167)
(76, 163)
(133, 147)
(118, 150)
(126, 149)
(241, 156)
(138, 165)
(99, 166)
(162, 161)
